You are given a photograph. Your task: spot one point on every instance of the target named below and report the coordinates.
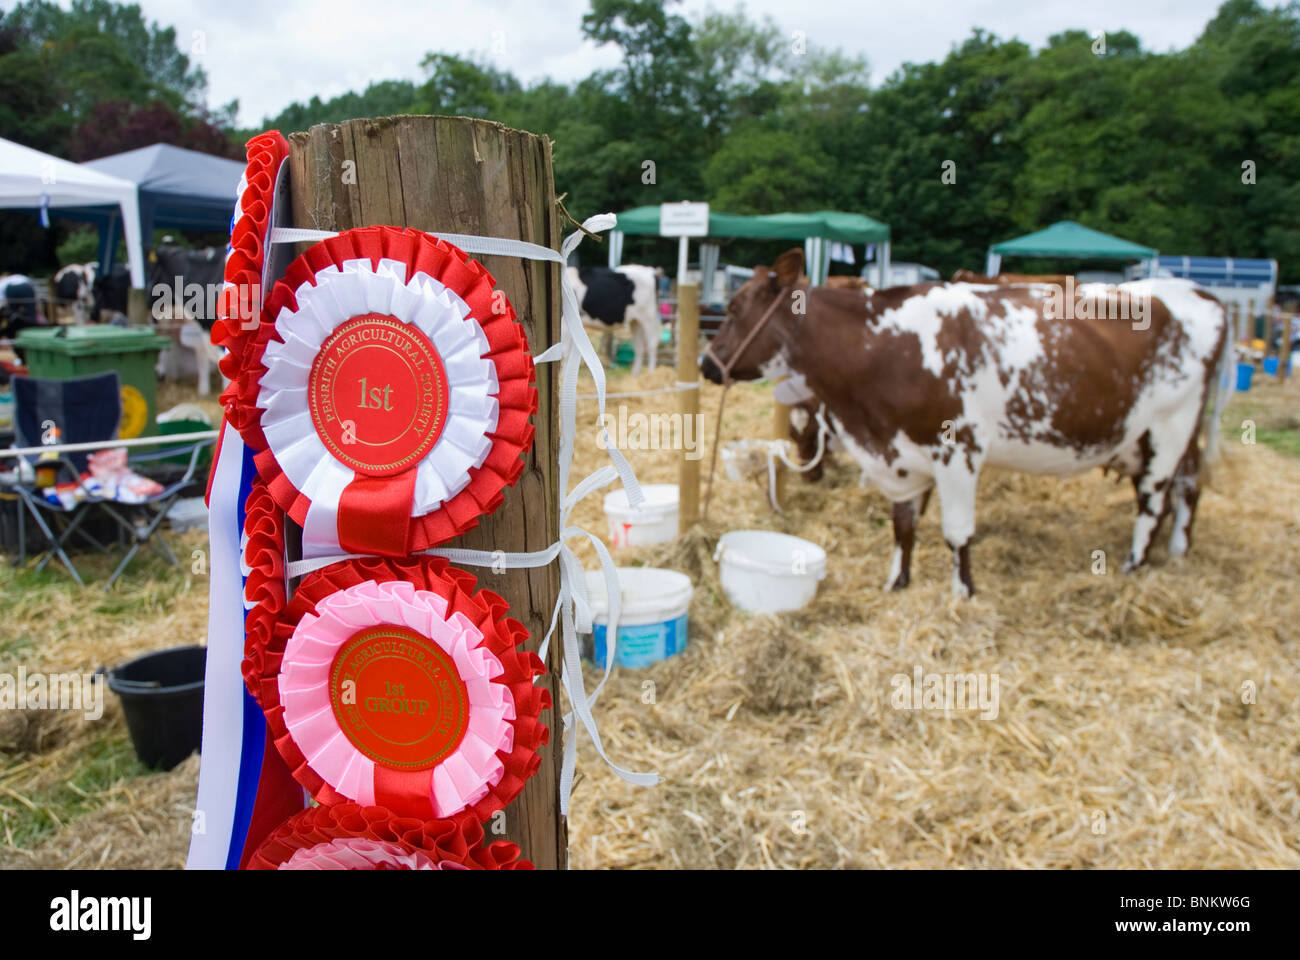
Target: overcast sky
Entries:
(268, 53)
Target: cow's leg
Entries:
(638, 346)
(1186, 493)
(650, 333)
(906, 515)
(1152, 485)
(956, 483)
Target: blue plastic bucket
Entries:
(652, 625)
(1244, 373)
(1270, 366)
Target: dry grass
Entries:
(1121, 697)
(72, 792)
(1121, 702)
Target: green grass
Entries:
(85, 768)
(1276, 415)
(1283, 441)
(102, 765)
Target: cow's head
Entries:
(757, 326)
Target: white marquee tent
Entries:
(33, 180)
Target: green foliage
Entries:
(386, 98)
(724, 107)
(81, 246)
(90, 80)
(1149, 146)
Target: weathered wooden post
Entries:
(460, 175)
(1284, 347)
(137, 307)
(780, 434)
(688, 402)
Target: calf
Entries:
(926, 385)
(623, 295)
(112, 294)
(74, 287)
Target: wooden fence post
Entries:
(781, 434)
(1284, 347)
(688, 402)
(460, 175)
(137, 308)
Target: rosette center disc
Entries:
(378, 394)
(398, 697)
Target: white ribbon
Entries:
(573, 607)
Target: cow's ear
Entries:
(788, 267)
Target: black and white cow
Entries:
(74, 289)
(627, 294)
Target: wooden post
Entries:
(137, 308)
(460, 175)
(688, 402)
(780, 433)
(1284, 348)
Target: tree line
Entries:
(1190, 151)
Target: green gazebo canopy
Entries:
(1070, 239)
(827, 224)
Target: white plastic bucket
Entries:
(742, 459)
(765, 572)
(654, 521)
(652, 624)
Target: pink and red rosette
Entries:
(496, 755)
(354, 837)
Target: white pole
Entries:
(683, 249)
(159, 441)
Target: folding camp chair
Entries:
(88, 410)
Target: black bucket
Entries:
(162, 697)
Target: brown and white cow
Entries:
(970, 276)
(926, 385)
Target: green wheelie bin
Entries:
(61, 353)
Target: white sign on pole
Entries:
(683, 219)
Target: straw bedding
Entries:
(1143, 721)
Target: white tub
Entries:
(654, 521)
(742, 459)
(653, 622)
(765, 572)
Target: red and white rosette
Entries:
(391, 683)
(354, 837)
(240, 305)
(262, 565)
(390, 391)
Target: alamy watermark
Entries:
(240, 302)
(75, 913)
(946, 692)
(1066, 302)
(652, 431)
(53, 691)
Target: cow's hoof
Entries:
(898, 583)
(1131, 565)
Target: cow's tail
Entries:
(1221, 388)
